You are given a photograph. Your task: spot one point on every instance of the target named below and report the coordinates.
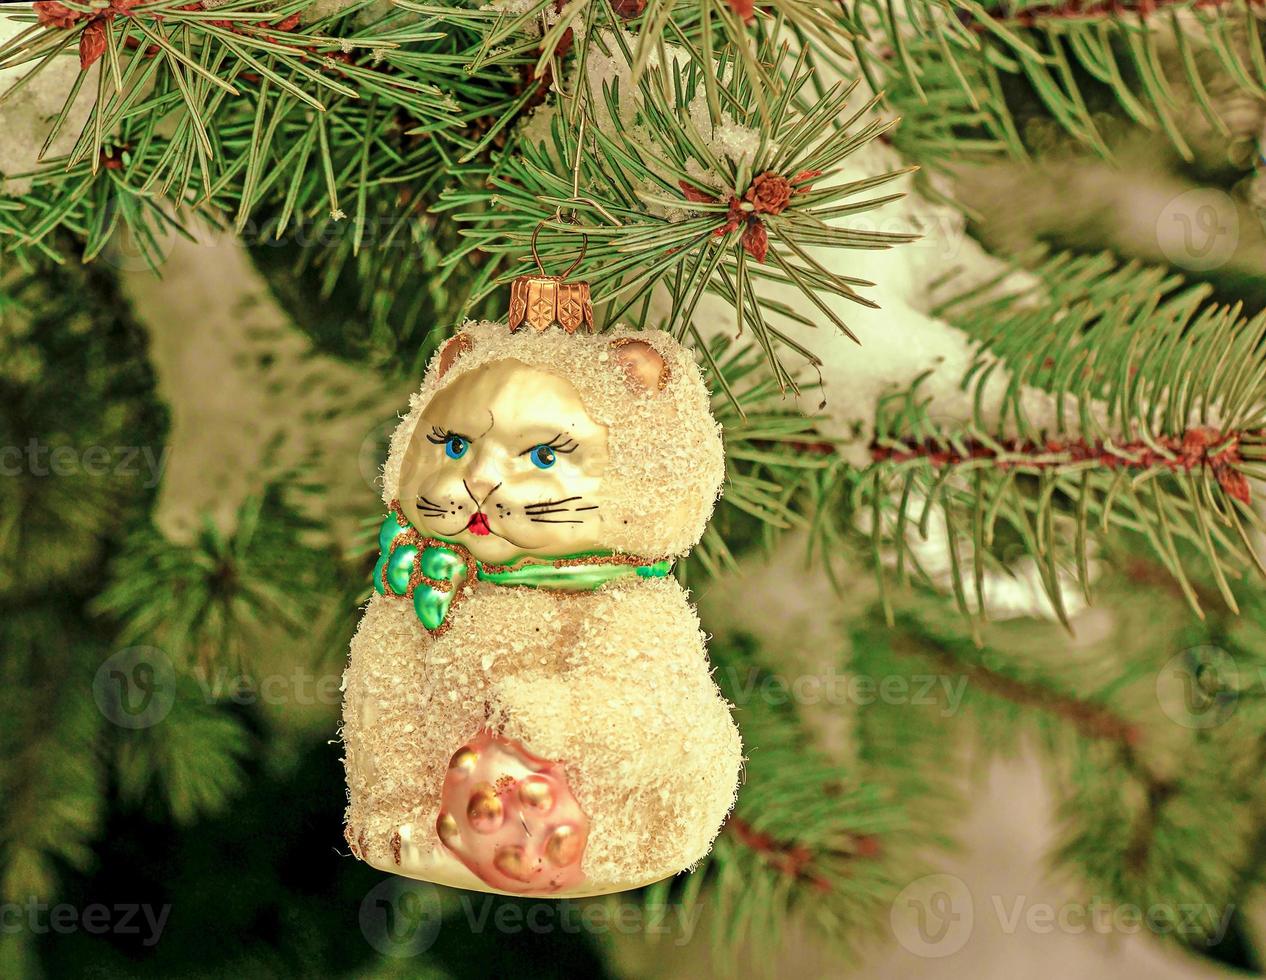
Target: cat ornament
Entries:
(528, 706)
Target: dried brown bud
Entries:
(628, 9)
(54, 14)
(770, 193)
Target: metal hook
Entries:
(584, 247)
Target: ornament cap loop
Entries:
(584, 247)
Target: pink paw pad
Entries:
(511, 818)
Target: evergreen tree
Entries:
(952, 446)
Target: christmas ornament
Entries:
(528, 704)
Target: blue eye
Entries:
(542, 457)
(455, 447)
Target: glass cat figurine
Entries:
(528, 706)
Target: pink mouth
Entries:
(479, 525)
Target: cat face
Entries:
(619, 421)
(507, 462)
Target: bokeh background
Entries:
(192, 450)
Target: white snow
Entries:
(26, 118)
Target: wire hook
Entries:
(584, 247)
(558, 211)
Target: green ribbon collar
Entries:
(437, 574)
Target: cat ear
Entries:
(642, 363)
(453, 348)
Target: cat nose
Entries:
(484, 475)
(482, 481)
(479, 489)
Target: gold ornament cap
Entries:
(543, 301)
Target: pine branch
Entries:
(1158, 64)
(77, 418)
(808, 837)
(1134, 784)
(250, 114)
(1126, 402)
(765, 468)
(191, 759)
(1091, 720)
(52, 780)
(258, 147)
(201, 603)
(548, 29)
(652, 217)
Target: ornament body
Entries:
(528, 704)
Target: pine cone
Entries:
(770, 193)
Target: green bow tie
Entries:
(428, 570)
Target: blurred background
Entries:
(191, 430)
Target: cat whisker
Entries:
(429, 502)
(590, 507)
(551, 503)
